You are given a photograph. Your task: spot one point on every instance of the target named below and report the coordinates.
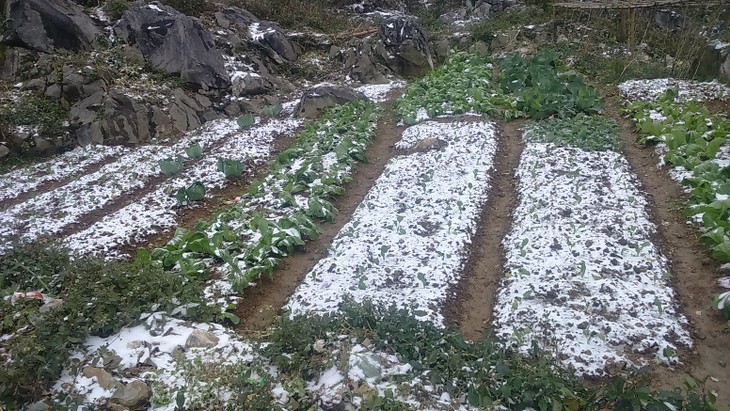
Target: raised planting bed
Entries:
(509, 87)
(280, 212)
(408, 240)
(72, 163)
(158, 210)
(52, 212)
(694, 142)
(583, 276)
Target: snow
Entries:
(379, 92)
(24, 180)
(49, 213)
(157, 211)
(256, 33)
(407, 241)
(689, 90)
(159, 341)
(582, 273)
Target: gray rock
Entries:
(479, 48)
(669, 19)
(316, 100)
(134, 395)
(38, 406)
(184, 111)
(87, 110)
(125, 121)
(234, 18)
(89, 133)
(103, 378)
(250, 84)
(274, 42)
(406, 42)
(50, 305)
(43, 145)
(441, 50)
(481, 10)
(201, 339)
(175, 43)
(4, 151)
(47, 25)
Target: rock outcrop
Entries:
(407, 45)
(47, 25)
(174, 43)
(317, 99)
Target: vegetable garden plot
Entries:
(49, 213)
(407, 241)
(694, 142)
(582, 274)
(24, 180)
(157, 210)
(280, 212)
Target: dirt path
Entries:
(261, 304)
(692, 267)
(473, 298)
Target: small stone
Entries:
(103, 378)
(135, 345)
(111, 360)
(4, 151)
(52, 304)
(38, 406)
(318, 346)
(134, 395)
(203, 339)
(722, 364)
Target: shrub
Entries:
(115, 8)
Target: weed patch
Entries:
(482, 374)
(52, 303)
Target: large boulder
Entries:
(274, 42)
(47, 25)
(317, 99)
(175, 43)
(407, 44)
(362, 59)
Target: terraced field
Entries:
(401, 217)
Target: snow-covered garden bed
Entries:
(408, 240)
(583, 276)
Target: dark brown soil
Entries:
(695, 272)
(261, 304)
(470, 309)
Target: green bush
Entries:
(320, 15)
(39, 111)
(115, 8)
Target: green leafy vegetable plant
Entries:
(231, 168)
(171, 166)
